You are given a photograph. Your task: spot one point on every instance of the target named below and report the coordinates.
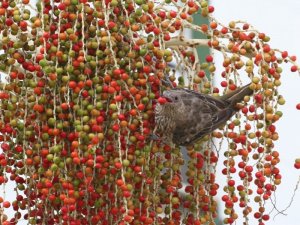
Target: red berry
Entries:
(118, 165)
(284, 54)
(209, 58)
(72, 84)
(101, 23)
(224, 84)
(225, 198)
(147, 69)
(6, 204)
(297, 163)
(167, 37)
(248, 169)
(224, 30)
(231, 183)
(266, 48)
(229, 204)
(161, 100)
(191, 3)
(9, 22)
(293, 58)
(258, 57)
(245, 110)
(23, 25)
(173, 14)
(117, 72)
(183, 15)
(156, 31)
(201, 74)
(294, 68)
(257, 215)
(211, 9)
(265, 217)
(246, 26)
(111, 24)
(232, 87)
(61, 6)
(162, 14)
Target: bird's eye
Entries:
(176, 98)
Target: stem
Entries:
(186, 42)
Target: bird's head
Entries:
(172, 96)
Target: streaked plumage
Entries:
(189, 115)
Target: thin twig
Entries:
(291, 201)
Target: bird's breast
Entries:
(164, 118)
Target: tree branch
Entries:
(182, 41)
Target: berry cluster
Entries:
(77, 105)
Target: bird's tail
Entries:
(238, 95)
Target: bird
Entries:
(187, 116)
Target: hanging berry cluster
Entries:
(79, 84)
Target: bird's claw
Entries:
(166, 81)
(154, 137)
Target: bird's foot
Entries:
(154, 137)
(161, 140)
(166, 81)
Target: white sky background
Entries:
(281, 21)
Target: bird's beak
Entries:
(168, 99)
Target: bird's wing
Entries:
(210, 100)
(203, 115)
(193, 130)
(237, 95)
